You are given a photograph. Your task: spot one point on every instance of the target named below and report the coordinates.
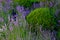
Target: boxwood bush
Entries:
(42, 16)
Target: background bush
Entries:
(58, 35)
(25, 3)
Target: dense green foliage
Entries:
(42, 16)
(25, 3)
(58, 35)
(34, 0)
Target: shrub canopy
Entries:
(42, 16)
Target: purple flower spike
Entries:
(59, 21)
(20, 8)
(8, 0)
(51, 4)
(57, 13)
(0, 0)
(41, 4)
(11, 28)
(16, 22)
(36, 5)
(1, 19)
(25, 12)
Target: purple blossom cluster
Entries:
(41, 4)
(22, 10)
(8, 1)
(11, 28)
(51, 4)
(36, 5)
(0, 0)
(57, 13)
(59, 21)
(1, 19)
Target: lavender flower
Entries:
(11, 28)
(41, 4)
(6, 6)
(59, 21)
(36, 5)
(1, 19)
(57, 14)
(12, 19)
(51, 4)
(16, 22)
(0, 0)
(20, 8)
(8, 0)
(25, 12)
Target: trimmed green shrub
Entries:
(42, 16)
